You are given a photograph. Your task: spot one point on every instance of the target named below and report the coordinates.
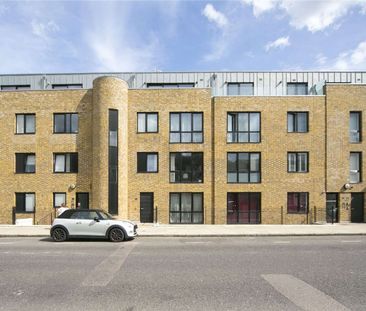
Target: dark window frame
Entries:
(359, 165)
(25, 123)
(146, 154)
(67, 86)
(299, 210)
(295, 121)
(359, 127)
(191, 211)
(182, 85)
(236, 132)
(180, 132)
(297, 162)
(146, 131)
(298, 84)
(23, 211)
(180, 171)
(17, 87)
(65, 115)
(237, 168)
(23, 164)
(259, 212)
(65, 154)
(54, 198)
(238, 86)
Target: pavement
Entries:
(160, 230)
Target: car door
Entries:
(86, 225)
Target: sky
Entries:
(234, 35)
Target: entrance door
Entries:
(332, 207)
(357, 207)
(146, 207)
(83, 199)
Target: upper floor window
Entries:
(147, 162)
(245, 88)
(65, 123)
(147, 122)
(297, 202)
(355, 126)
(170, 85)
(186, 127)
(65, 162)
(243, 167)
(297, 122)
(355, 167)
(297, 162)
(186, 167)
(25, 163)
(15, 87)
(296, 88)
(25, 202)
(67, 86)
(243, 127)
(26, 123)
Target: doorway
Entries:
(357, 208)
(83, 199)
(332, 207)
(146, 207)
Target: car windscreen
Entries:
(105, 215)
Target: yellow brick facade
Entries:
(327, 143)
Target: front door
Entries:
(332, 207)
(82, 200)
(146, 207)
(357, 207)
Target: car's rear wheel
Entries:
(59, 235)
(116, 235)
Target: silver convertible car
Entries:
(79, 223)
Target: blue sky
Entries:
(242, 35)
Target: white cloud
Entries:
(279, 43)
(315, 15)
(215, 16)
(44, 30)
(321, 59)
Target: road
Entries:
(261, 273)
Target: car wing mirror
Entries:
(96, 219)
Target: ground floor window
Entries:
(297, 202)
(243, 207)
(25, 202)
(186, 208)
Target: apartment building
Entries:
(197, 148)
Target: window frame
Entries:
(67, 86)
(65, 154)
(295, 122)
(146, 154)
(237, 171)
(238, 87)
(24, 162)
(359, 126)
(191, 211)
(236, 113)
(359, 165)
(297, 161)
(180, 171)
(181, 85)
(65, 114)
(146, 123)
(306, 211)
(180, 132)
(16, 87)
(250, 212)
(24, 203)
(24, 123)
(54, 198)
(297, 83)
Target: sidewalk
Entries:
(152, 230)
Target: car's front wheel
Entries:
(116, 235)
(59, 235)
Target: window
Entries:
(25, 163)
(246, 88)
(25, 202)
(186, 127)
(297, 162)
(355, 126)
(355, 167)
(186, 167)
(186, 208)
(297, 122)
(65, 123)
(297, 88)
(147, 122)
(65, 163)
(85, 214)
(15, 87)
(147, 162)
(59, 199)
(297, 202)
(243, 208)
(66, 86)
(113, 161)
(169, 85)
(243, 167)
(26, 123)
(243, 127)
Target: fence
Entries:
(38, 218)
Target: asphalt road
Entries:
(264, 273)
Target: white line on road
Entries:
(281, 242)
(103, 273)
(6, 243)
(302, 294)
(351, 241)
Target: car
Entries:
(93, 223)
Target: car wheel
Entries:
(59, 235)
(116, 235)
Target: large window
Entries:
(186, 167)
(65, 162)
(113, 162)
(297, 202)
(67, 86)
(147, 162)
(186, 127)
(26, 123)
(15, 87)
(297, 88)
(243, 167)
(297, 122)
(243, 208)
(243, 127)
(147, 122)
(25, 163)
(355, 167)
(169, 85)
(297, 162)
(59, 199)
(246, 88)
(25, 202)
(355, 126)
(65, 123)
(186, 208)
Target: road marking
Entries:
(351, 241)
(6, 243)
(103, 273)
(197, 242)
(302, 294)
(281, 242)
